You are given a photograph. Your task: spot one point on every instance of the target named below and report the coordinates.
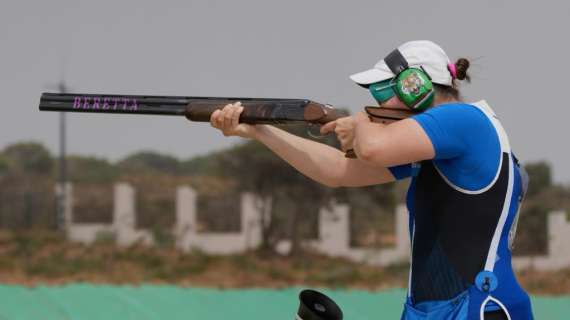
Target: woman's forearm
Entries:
(366, 139)
(398, 143)
(317, 161)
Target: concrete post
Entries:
(251, 219)
(334, 230)
(558, 240)
(185, 226)
(124, 219)
(68, 205)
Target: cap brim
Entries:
(367, 77)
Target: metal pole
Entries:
(61, 190)
(62, 197)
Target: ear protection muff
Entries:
(413, 86)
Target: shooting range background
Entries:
(292, 49)
(271, 49)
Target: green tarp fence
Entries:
(153, 302)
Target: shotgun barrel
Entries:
(256, 110)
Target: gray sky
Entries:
(261, 48)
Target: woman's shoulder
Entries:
(457, 108)
(459, 115)
(473, 124)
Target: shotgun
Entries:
(256, 110)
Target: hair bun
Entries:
(461, 66)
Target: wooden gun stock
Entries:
(383, 115)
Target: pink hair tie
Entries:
(452, 69)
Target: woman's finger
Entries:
(214, 118)
(237, 113)
(344, 124)
(230, 117)
(328, 127)
(227, 117)
(345, 145)
(220, 119)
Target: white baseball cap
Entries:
(418, 53)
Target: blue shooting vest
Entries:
(461, 242)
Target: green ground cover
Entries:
(146, 302)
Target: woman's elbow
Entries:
(332, 184)
(366, 154)
(330, 181)
(336, 176)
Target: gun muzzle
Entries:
(317, 306)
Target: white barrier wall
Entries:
(124, 221)
(187, 237)
(334, 231)
(215, 242)
(79, 232)
(388, 256)
(185, 227)
(124, 217)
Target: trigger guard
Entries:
(314, 136)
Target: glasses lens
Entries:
(382, 91)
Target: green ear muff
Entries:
(414, 87)
(382, 91)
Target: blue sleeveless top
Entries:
(463, 208)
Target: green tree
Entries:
(372, 216)
(540, 176)
(26, 186)
(29, 157)
(91, 169)
(204, 165)
(149, 162)
(543, 197)
(4, 165)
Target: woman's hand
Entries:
(344, 129)
(227, 121)
(361, 117)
